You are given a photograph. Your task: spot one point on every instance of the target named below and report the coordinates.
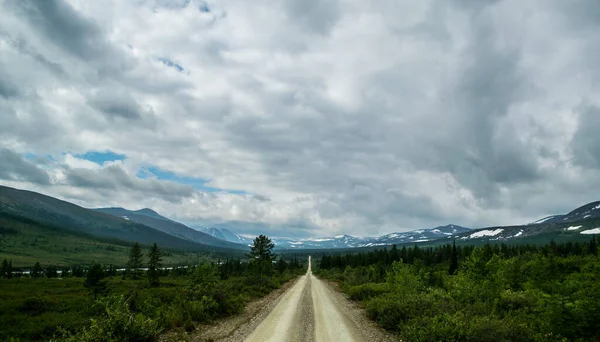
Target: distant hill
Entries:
(154, 220)
(49, 210)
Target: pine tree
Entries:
(37, 270)
(93, 280)
(593, 246)
(453, 260)
(9, 270)
(77, 271)
(154, 264)
(261, 255)
(135, 260)
(51, 271)
(4, 269)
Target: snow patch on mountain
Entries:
(544, 219)
(483, 233)
(591, 231)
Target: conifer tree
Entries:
(261, 255)
(4, 269)
(9, 270)
(154, 264)
(453, 260)
(135, 260)
(37, 270)
(93, 280)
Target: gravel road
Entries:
(312, 311)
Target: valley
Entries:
(53, 246)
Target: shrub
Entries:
(367, 291)
(118, 324)
(34, 306)
(462, 327)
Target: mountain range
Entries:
(147, 226)
(348, 241)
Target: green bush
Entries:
(118, 323)
(34, 306)
(366, 291)
(462, 327)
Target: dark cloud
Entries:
(14, 168)
(481, 156)
(7, 89)
(314, 15)
(586, 141)
(115, 104)
(27, 50)
(114, 178)
(58, 22)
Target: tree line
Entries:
(450, 254)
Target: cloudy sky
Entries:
(311, 117)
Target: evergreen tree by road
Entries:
(135, 260)
(261, 255)
(154, 264)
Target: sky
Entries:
(305, 118)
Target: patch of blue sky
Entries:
(100, 157)
(29, 156)
(196, 183)
(37, 158)
(170, 64)
(204, 8)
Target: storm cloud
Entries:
(306, 117)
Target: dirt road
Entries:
(312, 311)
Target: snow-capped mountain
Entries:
(338, 241)
(588, 211)
(225, 234)
(348, 241)
(419, 235)
(546, 232)
(577, 224)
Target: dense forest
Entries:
(102, 303)
(465, 293)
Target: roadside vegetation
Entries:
(101, 303)
(489, 293)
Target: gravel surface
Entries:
(308, 309)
